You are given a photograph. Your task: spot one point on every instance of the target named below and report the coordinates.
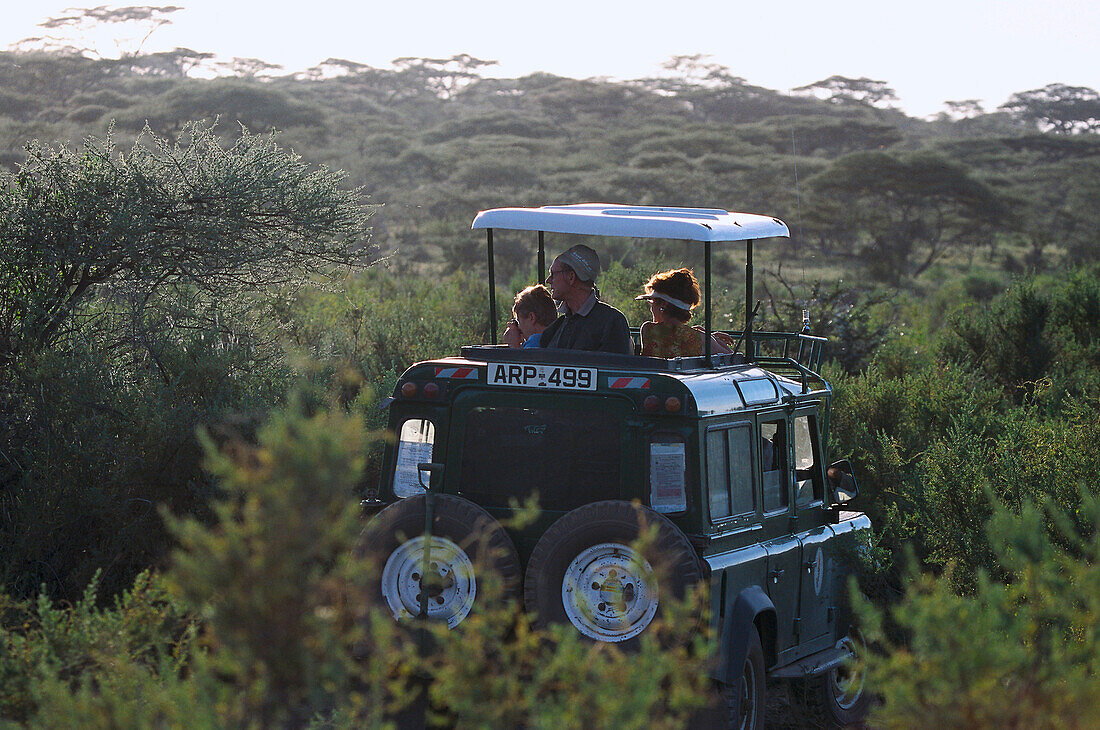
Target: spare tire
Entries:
(586, 570)
(467, 546)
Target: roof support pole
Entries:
(706, 300)
(540, 274)
(750, 354)
(492, 290)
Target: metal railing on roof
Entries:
(802, 348)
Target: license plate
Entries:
(559, 377)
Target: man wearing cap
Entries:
(585, 323)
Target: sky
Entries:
(929, 51)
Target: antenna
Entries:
(798, 201)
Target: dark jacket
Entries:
(595, 326)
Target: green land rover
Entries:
(723, 454)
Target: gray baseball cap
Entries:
(583, 260)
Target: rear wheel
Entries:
(446, 575)
(586, 570)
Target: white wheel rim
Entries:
(847, 681)
(610, 592)
(448, 579)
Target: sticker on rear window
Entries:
(667, 477)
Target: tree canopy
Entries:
(191, 211)
(1057, 107)
(434, 140)
(901, 214)
(846, 90)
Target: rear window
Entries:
(569, 457)
(415, 440)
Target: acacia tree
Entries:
(444, 77)
(964, 108)
(1057, 107)
(846, 90)
(132, 287)
(192, 212)
(900, 214)
(67, 32)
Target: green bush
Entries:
(886, 419)
(1040, 340)
(555, 679)
(46, 650)
(283, 634)
(937, 446)
(267, 576)
(100, 440)
(1022, 653)
(129, 290)
(1018, 460)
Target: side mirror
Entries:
(433, 469)
(842, 484)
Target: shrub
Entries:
(886, 421)
(284, 635)
(265, 577)
(100, 440)
(1038, 340)
(157, 259)
(47, 650)
(1023, 653)
(980, 465)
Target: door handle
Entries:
(774, 575)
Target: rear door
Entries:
(566, 449)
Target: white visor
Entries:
(665, 297)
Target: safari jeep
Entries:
(724, 453)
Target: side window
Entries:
(729, 472)
(414, 446)
(807, 473)
(742, 495)
(773, 458)
(718, 492)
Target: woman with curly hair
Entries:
(672, 295)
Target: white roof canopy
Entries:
(635, 221)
